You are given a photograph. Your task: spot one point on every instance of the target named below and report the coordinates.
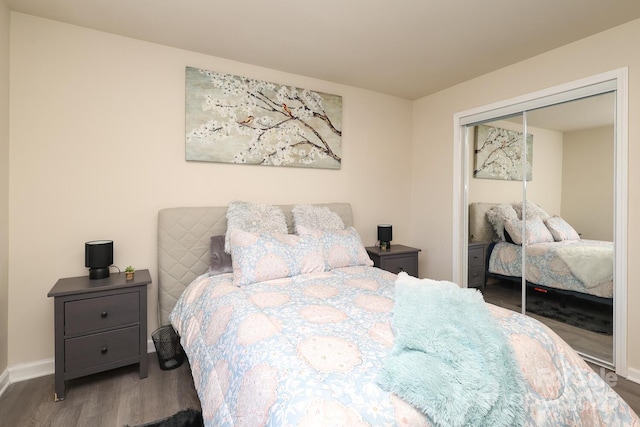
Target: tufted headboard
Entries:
(183, 246)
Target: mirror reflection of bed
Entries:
(569, 279)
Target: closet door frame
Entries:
(613, 80)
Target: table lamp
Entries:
(385, 235)
(98, 256)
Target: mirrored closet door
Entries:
(541, 208)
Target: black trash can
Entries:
(168, 348)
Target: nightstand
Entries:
(476, 265)
(99, 325)
(398, 258)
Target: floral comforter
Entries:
(306, 351)
(545, 265)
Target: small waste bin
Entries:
(168, 348)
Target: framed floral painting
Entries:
(234, 119)
(499, 154)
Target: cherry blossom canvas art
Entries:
(500, 154)
(234, 119)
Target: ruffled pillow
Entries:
(342, 248)
(561, 229)
(498, 215)
(532, 211)
(253, 218)
(268, 256)
(535, 231)
(319, 217)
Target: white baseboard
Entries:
(40, 368)
(27, 371)
(4, 381)
(633, 375)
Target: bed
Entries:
(310, 347)
(559, 261)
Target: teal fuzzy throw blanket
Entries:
(450, 359)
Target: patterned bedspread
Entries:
(545, 267)
(306, 351)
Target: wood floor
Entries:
(108, 399)
(599, 346)
(118, 398)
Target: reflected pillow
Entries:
(561, 229)
(532, 210)
(219, 260)
(535, 231)
(498, 215)
(267, 256)
(342, 248)
(253, 218)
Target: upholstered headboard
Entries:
(480, 229)
(183, 246)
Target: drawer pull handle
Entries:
(103, 314)
(104, 350)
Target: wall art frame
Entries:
(498, 154)
(235, 119)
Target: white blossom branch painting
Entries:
(233, 119)
(498, 154)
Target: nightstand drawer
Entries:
(408, 264)
(476, 277)
(94, 314)
(100, 349)
(476, 257)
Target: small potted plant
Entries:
(129, 272)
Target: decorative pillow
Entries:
(220, 260)
(533, 211)
(253, 218)
(536, 231)
(561, 229)
(267, 256)
(320, 217)
(342, 248)
(498, 215)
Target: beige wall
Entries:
(544, 188)
(433, 145)
(587, 184)
(97, 147)
(4, 183)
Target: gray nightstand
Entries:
(476, 265)
(398, 258)
(99, 325)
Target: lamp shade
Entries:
(98, 256)
(385, 233)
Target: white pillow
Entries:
(561, 229)
(318, 217)
(533, 210)
(253, 218)
(498, 215)
(535, 231)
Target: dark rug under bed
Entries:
(588, 315)
(184, 418)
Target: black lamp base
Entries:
(98, 273)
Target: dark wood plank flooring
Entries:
(115, 398)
